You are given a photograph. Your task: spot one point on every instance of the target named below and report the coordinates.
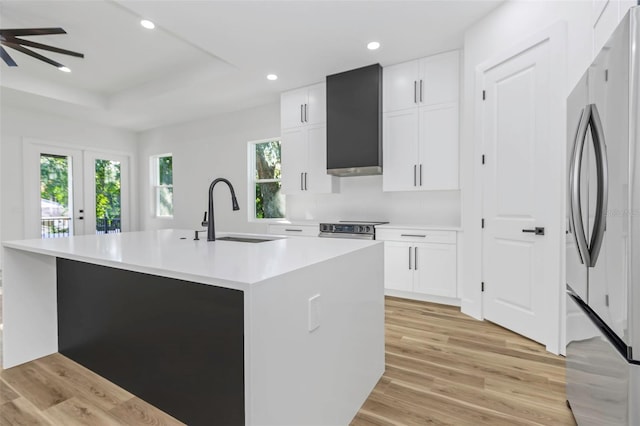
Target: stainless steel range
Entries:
(350, 229)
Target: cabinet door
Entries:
(294, 159)
(316, 179)
(397, 274)
(292, 108)
(440, 77)
(439, 147)
(435, 269)
(316, 112)
(400, 150)
(399, 85)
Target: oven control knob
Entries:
(367, 228)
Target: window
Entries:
(162, 167)
(264, 180)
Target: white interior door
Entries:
(522, 181)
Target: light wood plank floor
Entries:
(442, 367)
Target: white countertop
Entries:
(224, 263)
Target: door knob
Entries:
(538, 230)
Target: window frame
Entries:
(156, 186)
(252, 181)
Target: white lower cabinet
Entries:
(420, 264)
(293, 230)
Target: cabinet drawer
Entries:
(294, 230)
(416, 235)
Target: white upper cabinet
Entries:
(400, 86)
(439, 76)
(303, 115)
(316, 112)
(438, 166)
(294, 155)
(303, 106)
(426, 81)
(420, 124)
(401, 141)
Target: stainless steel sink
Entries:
(244, 239)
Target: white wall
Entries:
(361, 198)
(504, 27)
(217, 147)
(202, 151)
(17, 124)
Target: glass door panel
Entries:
(108, 187)
(106, 193)
(53, 191)
(56, 196)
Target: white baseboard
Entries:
(452, 301)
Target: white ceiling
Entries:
(211, 57)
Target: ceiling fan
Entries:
(10, 38)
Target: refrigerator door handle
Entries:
(575, 205)
(602, 197)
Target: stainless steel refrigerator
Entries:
(603, 234)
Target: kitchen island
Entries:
(283, 332)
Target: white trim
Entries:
(154, 177)
(556, 35)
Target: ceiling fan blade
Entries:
(7, 59)
(44, 47)
(32, 31)
(32, 54)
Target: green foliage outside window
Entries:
(54, 179)
(269, 201)
(107, 189)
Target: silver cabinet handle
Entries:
(414, 175)
(413, 235)
(301, 113)
(305, 181)
(602, 197)
(301, 182)
(574, 186)
(409, 258)
(420, 90)
(415, 258)
(306, 113)
(415, 92)
(292, 230)
(420, 175)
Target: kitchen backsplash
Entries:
(361, 198)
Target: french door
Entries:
(74, 192)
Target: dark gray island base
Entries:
(176, 344)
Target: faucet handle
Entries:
(204, 220)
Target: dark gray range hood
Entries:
(354, 122)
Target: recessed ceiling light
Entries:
(272, 77)
(147, 24)
(373, 45)
(64, 69)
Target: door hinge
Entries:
(484, 95)
(606, 300)
(482, 286)
(483, 223)
(482, 158)
(606, 75)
